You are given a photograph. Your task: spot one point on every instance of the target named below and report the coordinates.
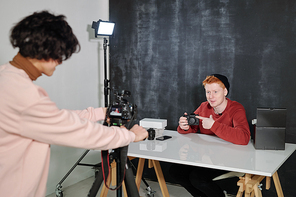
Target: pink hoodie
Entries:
(30, 122)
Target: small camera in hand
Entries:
(192, 120)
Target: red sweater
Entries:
(231, 126)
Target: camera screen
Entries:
(116, 111)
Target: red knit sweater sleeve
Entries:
(192, 129)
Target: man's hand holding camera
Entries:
(183, 122)
(207, 123)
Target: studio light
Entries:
(103, 28)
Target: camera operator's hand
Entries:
(183, 123)
(140, 133)
(207, 123)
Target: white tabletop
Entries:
(212, 152)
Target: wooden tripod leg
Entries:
(277, 184)
(160, 177)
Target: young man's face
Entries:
(48, 67)
(215, 94)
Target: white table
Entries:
(213, 152)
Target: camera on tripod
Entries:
(121, 111)
(191, 119)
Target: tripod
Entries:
(123, 169)
(118, 155)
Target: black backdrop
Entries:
(162, 50)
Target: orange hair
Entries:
(212, 79)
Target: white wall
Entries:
(77, 83)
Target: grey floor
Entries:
(81, 189)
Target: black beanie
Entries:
(224, 80)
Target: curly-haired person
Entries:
(30, 121)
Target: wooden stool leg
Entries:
(277, 184)
(105, 190)
(124, 189)
(113, 173)
(242, 187)
(160, 177)
(247, 177)
(257, 191)
(140, 172)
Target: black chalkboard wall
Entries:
(162, 50)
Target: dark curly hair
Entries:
(43, 35)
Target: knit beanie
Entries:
(224, 80)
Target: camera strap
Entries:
(122, 154)
(105, 165)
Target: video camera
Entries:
(191, 119)
(121, 111)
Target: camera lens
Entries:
(151, 134)
(191, 121)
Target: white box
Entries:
(153, 123)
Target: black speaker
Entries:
(270, 130)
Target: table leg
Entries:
(160, 177)
(159, 174)
(277, 184)
(267, 187)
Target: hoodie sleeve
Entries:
(92, 114)
(44, 122)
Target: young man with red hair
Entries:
(218, 116)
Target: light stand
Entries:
(104, 28)
(106, 81)
(123, 167)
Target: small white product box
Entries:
(157, 124)
(153, 123)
